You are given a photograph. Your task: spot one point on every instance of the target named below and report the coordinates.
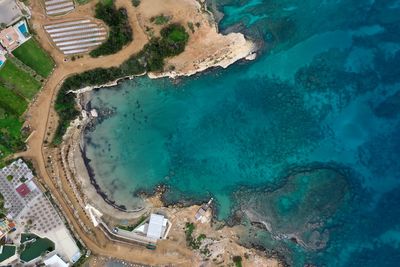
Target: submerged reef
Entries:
(300, 208)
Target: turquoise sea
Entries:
(302, 145)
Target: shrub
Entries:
(120, 29)
(191, 26)
(174, 39)
(135, 3)
(160, 19)
(237, 260)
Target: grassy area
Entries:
(35, 57)
(36, 249)
(120, 30)
(12, 106)
(172, 42)
(18, 80)
(11, 139)
(11, 102)
(82, 2)
(175, 34)
(17, 87)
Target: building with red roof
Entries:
(23, 190)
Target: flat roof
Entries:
(9, 11)
(23, 190)
(55, 261)
(155, 226)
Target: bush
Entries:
(238, 261)
(174, 39)
(160, 19)
(120, 29)
(191, 26)
(135, 3)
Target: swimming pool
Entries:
(1, 63)
(22, 28)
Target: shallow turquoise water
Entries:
(305, 138)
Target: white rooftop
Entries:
(55, 261)
(9, 11)
(156, 224)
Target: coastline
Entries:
(83, 181)
(240, 50)
(62, 169)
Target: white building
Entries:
(156, 228)
(55, 261)
(11, 11)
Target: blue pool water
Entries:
(22, 28)
(305, 139)
(1, 63)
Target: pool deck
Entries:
(12, 37)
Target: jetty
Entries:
(202, 210)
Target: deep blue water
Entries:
(304, 140)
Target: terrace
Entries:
(32, 210)
(13, 36)
(17, 194)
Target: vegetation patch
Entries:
(11, 102)
(172, 42)
(191, 26)
(237, 260)
(17, 88)
(35, 57)
(120, 29)
(132, 227)
(82, 2)
(12, 106)
(135, 3)
(18, 80)
(3, 211)
(193, 242)
(160, 19)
